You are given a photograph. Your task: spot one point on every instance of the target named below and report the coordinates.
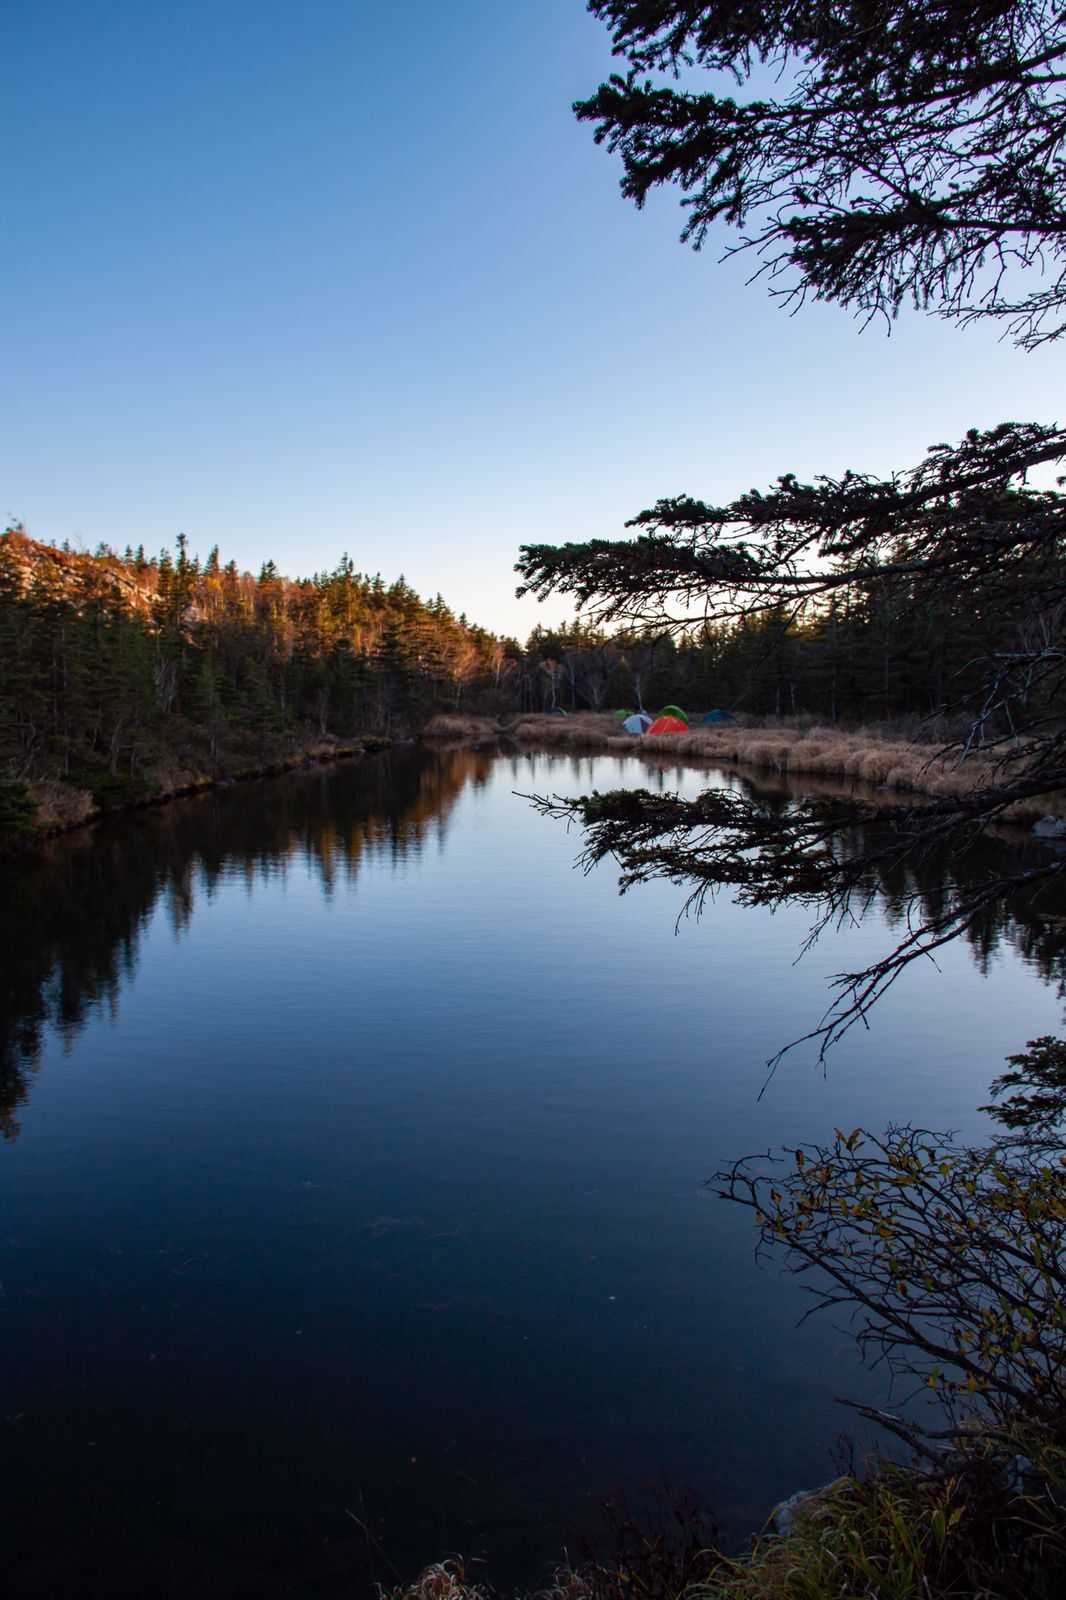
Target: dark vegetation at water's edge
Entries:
(939, 589)
(125, 679)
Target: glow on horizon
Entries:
(299, 281)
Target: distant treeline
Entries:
(872, 657)
(122, 676)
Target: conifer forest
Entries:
(128, 676)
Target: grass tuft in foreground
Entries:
(898, 1534)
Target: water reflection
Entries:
(386, 1195)
(71, 925)
(923, 887)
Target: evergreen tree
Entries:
(909, 153)
(905, 153)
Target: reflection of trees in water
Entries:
(922, 886)
(919, 887)
(71, 924)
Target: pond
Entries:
(353, 1208)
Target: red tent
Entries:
(668, 725)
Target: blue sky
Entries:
(324, 275)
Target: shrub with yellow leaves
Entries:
(954, 1258)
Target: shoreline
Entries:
(312, 756)
(800, 1527)
(890, 769)
(893, 769)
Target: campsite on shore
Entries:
(533, 801)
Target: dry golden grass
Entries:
(584, 730)
(445, 1580)
(864, 755)
(453, 725)
(59, 805)
(874, 756)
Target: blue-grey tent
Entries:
(639, 722)
(717, 716)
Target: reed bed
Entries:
(877, 757)
(454, 725)
(59, 805)
(583, 730)
(859, 754)
(586, 730)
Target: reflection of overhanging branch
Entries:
(928, 864)
(960, 533)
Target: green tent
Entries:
(674, 711)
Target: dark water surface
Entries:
(355, 1171)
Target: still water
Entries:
(353, 1205)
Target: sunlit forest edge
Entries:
(129, 678)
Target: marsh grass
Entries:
(59, 805)
(454, 725)
(863, 755)
(908, 758)
(583, 730)
(586, 730)
(891, 1537)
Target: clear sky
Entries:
(307, 276)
